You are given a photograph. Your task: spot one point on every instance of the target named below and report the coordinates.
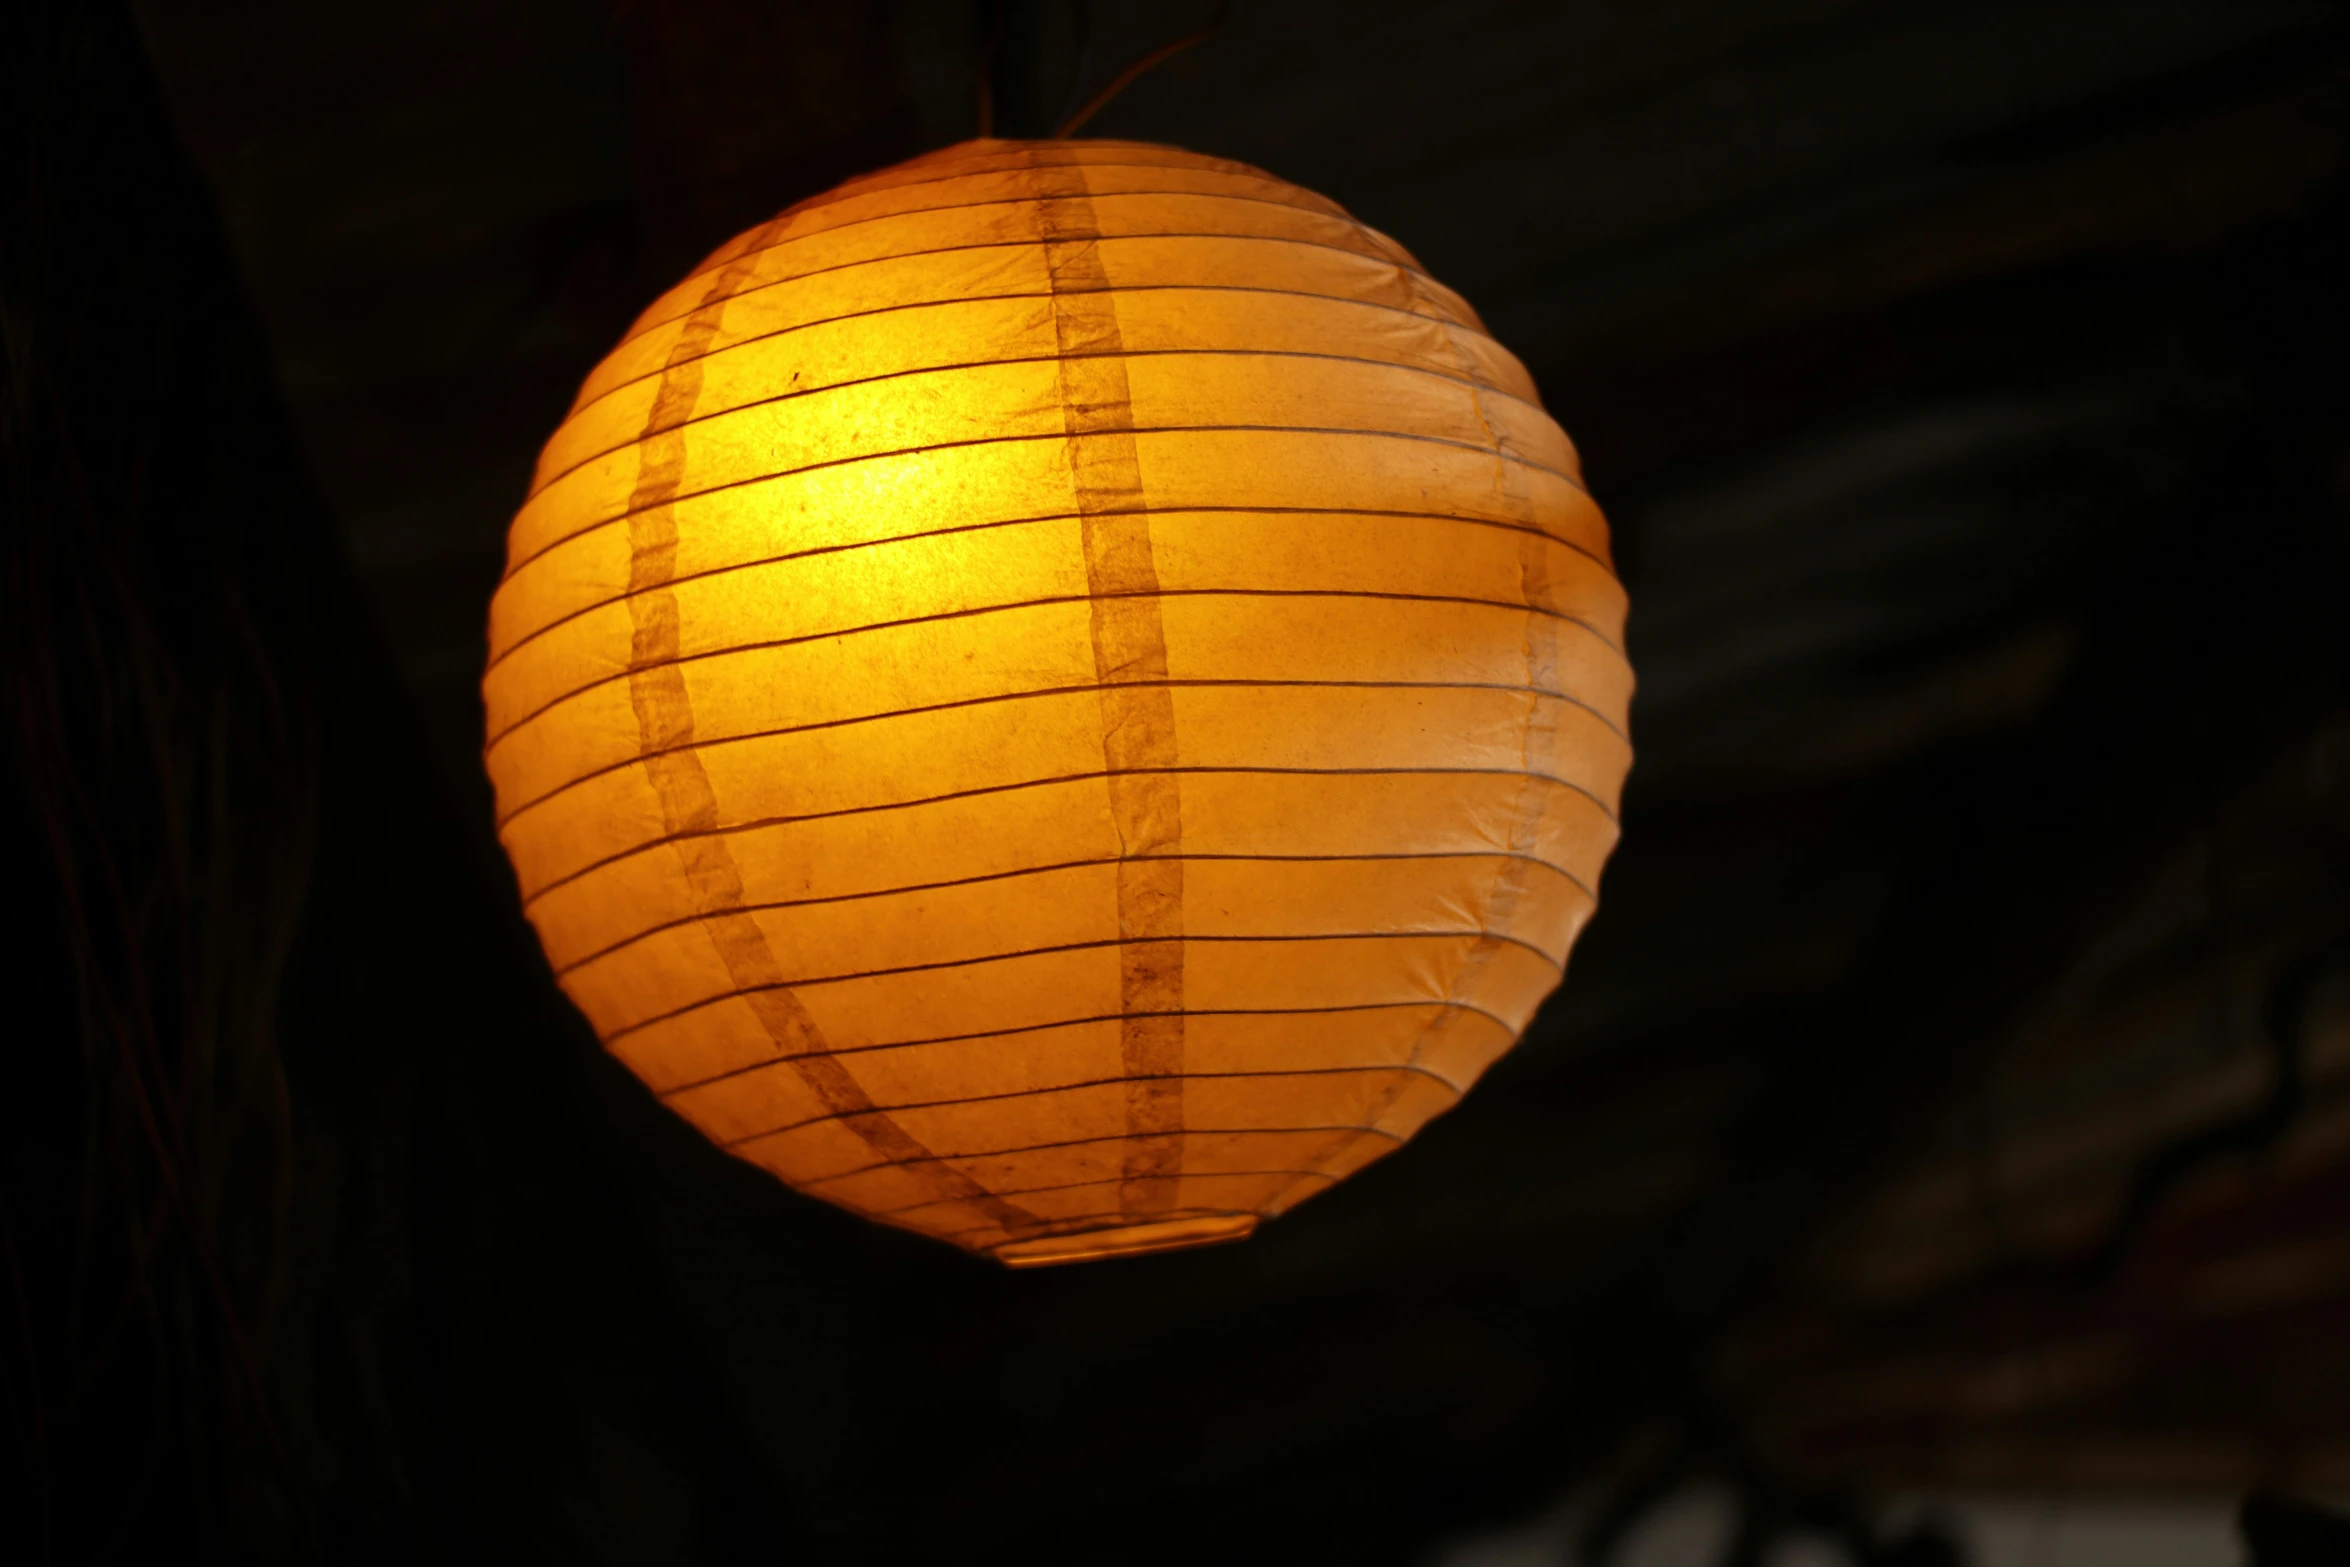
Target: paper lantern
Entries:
(1064, 696)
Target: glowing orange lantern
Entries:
(1063, 695)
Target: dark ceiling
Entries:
(1955, 1087)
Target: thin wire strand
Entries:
(1081, 23)
(1127, 77)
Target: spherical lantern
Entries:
(1064, 696)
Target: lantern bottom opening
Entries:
(1131, 1240)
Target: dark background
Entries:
(1954, 1090)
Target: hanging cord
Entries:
(1081, 25)
(1126, 78)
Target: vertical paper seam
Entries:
(1537, 746)
(1129, 645)
(665, 725)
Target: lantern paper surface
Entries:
(1064, 696)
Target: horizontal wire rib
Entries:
(1032, 243)
(1080, 1022)
(1059, 436)
(792, 237)
(499, 655)
(875, 185)
(977, 611)
(1019, 153)
(753, 823)
(796, 394)
(812, 980)
(811, 1183)
(786, 241)
(1072, 1186)
(608, 768)
(962, 169)
(945, 300)
(1015, 873)
(956, 164)
(723, 257)
(1400, 1068)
